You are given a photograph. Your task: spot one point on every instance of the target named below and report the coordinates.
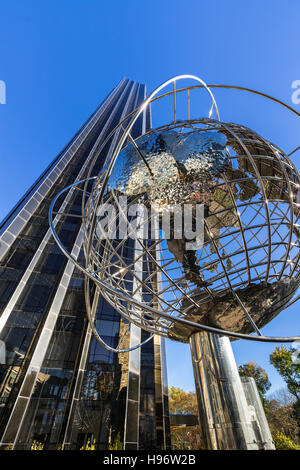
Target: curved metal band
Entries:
(140, 110)
(134, 302)
(90, 311)
(91, 317)
(202, 85)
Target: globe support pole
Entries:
(224, 417)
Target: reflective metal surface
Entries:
(182, 166)
(223, 411)
(258, 418)
(249, 189)
(247, 270)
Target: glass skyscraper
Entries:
(59, 389)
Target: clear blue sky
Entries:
(60, 58)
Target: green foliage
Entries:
(36, 445)
(117, 445)
(184, 437)
(182, 402)
(89, 445)
(281, 416)
(283, 442)
(251, 369)
(296, 413)
(282, 360)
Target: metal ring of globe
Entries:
(91, 309)
(135, 310)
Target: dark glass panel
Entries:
(132, 421)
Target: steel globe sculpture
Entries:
(233, 268)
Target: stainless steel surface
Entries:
(257, 415)
(223, 411)
(247, 270)
(183, 166)
(191, 326)
(55, 351)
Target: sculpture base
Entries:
(224, 416)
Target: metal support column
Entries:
(223, 410)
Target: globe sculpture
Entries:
(193, 226)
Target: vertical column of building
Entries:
(75, 399)
(29, 362)
(59, 388)
(131, 434)
(161, 394)
(160, 380)
(89, 385)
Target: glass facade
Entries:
(59, 389)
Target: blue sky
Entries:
(60, 58)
